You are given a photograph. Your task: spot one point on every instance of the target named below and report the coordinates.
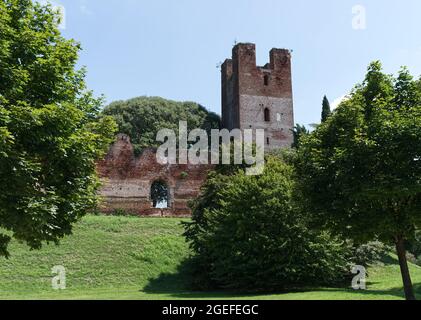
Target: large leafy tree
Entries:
(50, 132)
(142, 117)
(247, 234)
(361, 169)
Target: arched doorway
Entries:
(160, 195)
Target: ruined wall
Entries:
(247, 90)
(127, 181)
(253, 89)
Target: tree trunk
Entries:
(406, 277)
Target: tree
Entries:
(141, 118)
(247, 235)
(361, 169)
(326, 111)
(298, 132)
(50, 131)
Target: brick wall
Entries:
(127, 180)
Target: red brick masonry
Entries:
(127, 181)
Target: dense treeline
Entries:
(141, 118)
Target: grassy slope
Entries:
(132, 258)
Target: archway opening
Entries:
(160, 195)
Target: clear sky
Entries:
(171, 48)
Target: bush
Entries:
(247, 234)
(121, 213)
(414, 247)
(369, 253)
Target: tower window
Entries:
(266, 80)
(268, 141)
(267, 115)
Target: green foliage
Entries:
(247, 234)
(361, 170)
(370, 253)
(326, 111)
(141, 118)
(414, 247)
(184, 175)
(50, 131)
(121, 213)
(299, 131)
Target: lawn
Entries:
(143, 258)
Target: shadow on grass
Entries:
(390, 260)
(179, 285)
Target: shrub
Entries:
(414, 247)
(121, 213)
(369, 253)
(248, 234)
(184, 175)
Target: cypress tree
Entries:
(326, 111)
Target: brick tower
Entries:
(256, 97)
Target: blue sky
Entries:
(171, 48)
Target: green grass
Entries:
(134, 258)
